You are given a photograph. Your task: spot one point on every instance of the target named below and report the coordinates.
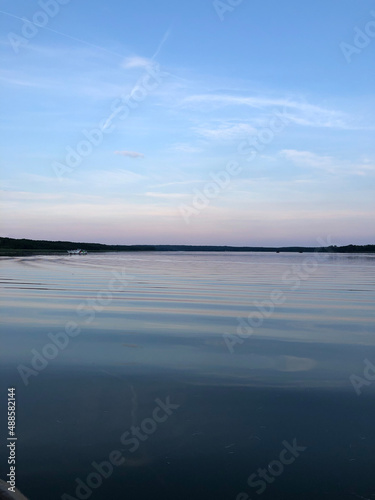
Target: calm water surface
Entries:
(192, 372)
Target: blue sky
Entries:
(170, 94)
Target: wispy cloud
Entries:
(309, 159)
(327, 163)
(226, 132)
(114, 177)
(144, 62)
(161, 43)
(130, 154)
(366, 168)
(65, 35)
(297, 111)
(137, 62)
(255, 102)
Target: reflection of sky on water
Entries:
(163, 336)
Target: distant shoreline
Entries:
(19, 247)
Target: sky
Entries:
(201, 122)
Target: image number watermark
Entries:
(11, 440)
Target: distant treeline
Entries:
(42, 246)
(206, 248)
(11, 246)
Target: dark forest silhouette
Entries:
(13, 246)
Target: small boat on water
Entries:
(78, 251)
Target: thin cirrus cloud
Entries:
(136, 62)
(114, 177)
(295, 110)
(308, 159)
(328, 164)
(130, 154)
(144, 62)
(255, 102)
(226, 132)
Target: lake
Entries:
(180, 375)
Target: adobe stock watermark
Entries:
(263, 477)
(131, 438)
(121, 108)
(368, 377)
(362, 39)
(257, 143)
(293, 277)
(211, 190)
(222, 7)
(40, 19)
(249, 148)
(59, 341)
